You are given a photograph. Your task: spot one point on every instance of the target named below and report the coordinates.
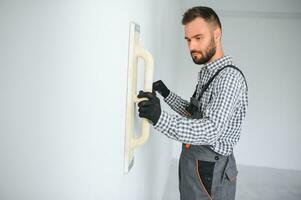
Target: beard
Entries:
(205, 55)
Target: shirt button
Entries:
(216, 158)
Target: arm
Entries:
(205, 131)
(177, 104)
(173, 100)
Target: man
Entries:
(209, 125)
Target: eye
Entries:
(188, 40)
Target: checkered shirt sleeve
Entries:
(177, 104)
(222, 117)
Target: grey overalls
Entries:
(203, 173)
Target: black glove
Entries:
(149, 109)
(161, 88)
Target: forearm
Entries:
(177, 104)
(190, 131)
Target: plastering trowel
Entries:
(135, 52)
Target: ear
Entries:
(217, 34)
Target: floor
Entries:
(254, 183)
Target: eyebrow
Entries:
(197, 35)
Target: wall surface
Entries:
(63, 67)
(263, 38)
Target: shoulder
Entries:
(230, 77)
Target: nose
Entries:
(192, 45)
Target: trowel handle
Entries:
(148, 86)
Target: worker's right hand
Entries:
(161, 88)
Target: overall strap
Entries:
(204, 88)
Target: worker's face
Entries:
(200, 40)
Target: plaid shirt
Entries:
(224, 107)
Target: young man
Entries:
(209, 126)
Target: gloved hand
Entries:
(149, 109)
(161, 88)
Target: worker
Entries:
(209, 125)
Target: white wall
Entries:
(62, 98)
(263, 38)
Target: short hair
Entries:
(208, 14)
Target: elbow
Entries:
(214, 132)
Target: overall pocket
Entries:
(231, 169)
(230, 176)
(205, 171)
(231, 173)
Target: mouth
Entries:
(195, 53)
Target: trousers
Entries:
(206, 175)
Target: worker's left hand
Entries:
(149, 109)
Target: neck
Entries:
(218, 54)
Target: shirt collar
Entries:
(219, 63)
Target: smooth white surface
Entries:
(263, 38)
(63, 86)
(62, 98)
